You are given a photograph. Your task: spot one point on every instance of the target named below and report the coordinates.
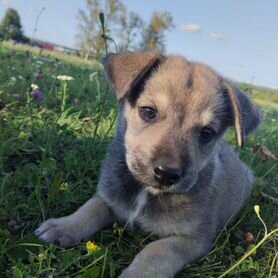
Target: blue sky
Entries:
(238, 38)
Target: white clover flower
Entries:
(65, 77)
(13, 78)
(34, 87)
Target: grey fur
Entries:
(215, 183)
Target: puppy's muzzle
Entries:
(167, 176)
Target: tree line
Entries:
(124, 29)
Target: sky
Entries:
(238, 38)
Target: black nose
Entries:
(167, 176)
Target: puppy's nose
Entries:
(167, 176)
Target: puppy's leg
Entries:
(165, 257)
(87, 220)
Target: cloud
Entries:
(217, 37)
(192, 28)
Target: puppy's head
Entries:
(175, 112)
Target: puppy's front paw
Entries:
(58, 231)
(130, 274)
(142, 272)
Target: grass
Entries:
(50, 158)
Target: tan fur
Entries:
(212, 183)
(184, 95)
(128, 74)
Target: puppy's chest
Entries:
(162, 219)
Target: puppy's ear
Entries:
(245, 115)
(125, 70)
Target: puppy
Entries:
(168, 169)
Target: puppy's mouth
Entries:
(160, 181)
(147, 179)
(150, 183)
(158, 190)
(182, 187)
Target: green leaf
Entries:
(93, 272)
(54, 188)
(4, 233)
(17, 272)
(48, 164)
(239, 250)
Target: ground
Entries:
(52, 142)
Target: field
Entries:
(52, 142)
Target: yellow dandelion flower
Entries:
(64, 186)
(92, 247)
(23, 135)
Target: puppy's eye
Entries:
(147, 114)
(206, 135)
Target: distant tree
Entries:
(130, 32)
(154, 33)
(127, 28)
(89, 36)
(10, 27)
